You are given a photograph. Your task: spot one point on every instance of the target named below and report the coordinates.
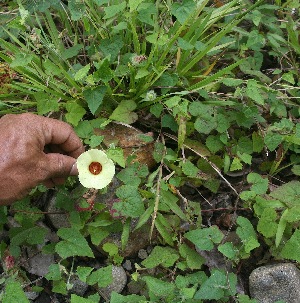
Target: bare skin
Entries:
(35, 150)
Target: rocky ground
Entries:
(265, 280)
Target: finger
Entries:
(60, 133)
(57, 166)
(53, 182)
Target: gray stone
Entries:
(57, 219)
(127, 265)
(78, 287)
(31, 295)
(142, 254)
(275, 282)
(119, 282)
(35, 262)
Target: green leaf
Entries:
(245, 145)
(133, 4)
(228, 250)
(94, 97)
(132, 174)
(232, 82)
(171, 201)
(112, 10)
(258, 142)
(259, 185)
(253, 92)
(141, 73)
(104, 71)
(118, 298)
(131, 204)
(80, 74)
(247, 195)
(183, 10)
(205, 126)
(246, 158)
(292, 247)
(246, 299)
(73, 244)
(193, 259)
(158, 287)
(169, 121)
(83, 272)
(247, 234)
(77, 299)
(32, 235)
(54, 272)
(59, 287)
(214, 144)
(46, 103)
(117, 155)
(281, 228)
(97, 235)
(288, 193)
(217, 286)
(21, 59)
(197, 108)
(71, 51)
(14, 293)
(75, 113)
(267, 225)
(189, 169)
(293, 214)
(196, 278)
(236, 164)
(205, 238)
(102, 277)
(272, 140)
(165, 256)
(111, 248)
(111, 47)
(156, 109)
(162, 226)
(95, 141)
(125, 233)
(77, 10)
(124, 112)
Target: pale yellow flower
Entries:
(95, 169)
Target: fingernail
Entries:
(74, 170)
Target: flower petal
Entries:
(89, 180)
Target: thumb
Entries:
(59, 165)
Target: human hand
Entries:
(35, 150)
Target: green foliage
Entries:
(73, 244)
(14, 292)
(205, 238)
(247, 234)
(214, 86)
(102, 277)
(217, 286)
(164, 256)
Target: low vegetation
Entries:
(210, 90)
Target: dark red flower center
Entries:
(95, 168)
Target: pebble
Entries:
(31, 295)
(127, 265)
(57, 220)
(142, 254)
(78, 287)
(275, 282)
(39, 264)
(119, 282)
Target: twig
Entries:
(157, 193)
